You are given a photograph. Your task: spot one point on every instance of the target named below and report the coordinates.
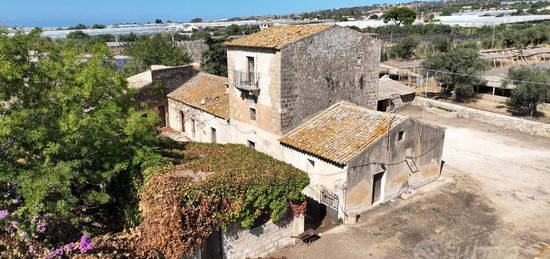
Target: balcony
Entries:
(248, 82)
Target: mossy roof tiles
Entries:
(341, 131)
(277, 36)
(206, 92)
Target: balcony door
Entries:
(250, 69)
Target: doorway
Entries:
(162, 115)
(213, 135)
(182, 115)
(377, 187)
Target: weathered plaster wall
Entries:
(422, 141)
(268, 68)
(336, 64)
(266, 142)
(500, 120)
(261, 241)
(204, 122)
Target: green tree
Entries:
(457, 71)
(158, 21)
(196, 20)
(441, 44)
(373, 17)
(513, 38)
(400, 15)
(532, 88)
(214, 60)
(156, 50)
(79, 26)
(405, 48)
(77, 35)
(75, 145)
(99, 26)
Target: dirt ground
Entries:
(496, 204)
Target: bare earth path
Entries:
(497, 206)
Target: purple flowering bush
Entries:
(34, 236)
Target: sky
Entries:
(57, 13)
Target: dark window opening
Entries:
(401, 135)
(361, 82)
(253, 114)
(311, 162)
(251, 144)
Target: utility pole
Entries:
(493, 42)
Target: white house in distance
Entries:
(307, 95)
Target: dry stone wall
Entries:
(503, 121)
(263, 240)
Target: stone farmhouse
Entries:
(307, 95)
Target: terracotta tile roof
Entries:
(206, 92)
(341, 131)
(277, 36)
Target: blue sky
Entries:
(44, 13)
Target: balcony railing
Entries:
(246, 81)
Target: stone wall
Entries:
(503, 121)
(195, 48)
(544, 107)
(319, 70)
(173, 77)
(263, 240)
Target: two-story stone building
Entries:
(283, 75)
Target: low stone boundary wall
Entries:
(263, 240)
(545, 107)
(504, 121)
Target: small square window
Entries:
(253, 114)
(251, 144)
(401, 135)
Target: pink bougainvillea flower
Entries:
(14, 224)
(85, 244)
(70, 246)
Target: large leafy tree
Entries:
(214, 60)
(69, 135)
(405, 48)
(400, 15)
(532, 88)
(155, 50)
(457, 71)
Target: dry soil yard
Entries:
(496, 203)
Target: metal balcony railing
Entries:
(246, 81)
